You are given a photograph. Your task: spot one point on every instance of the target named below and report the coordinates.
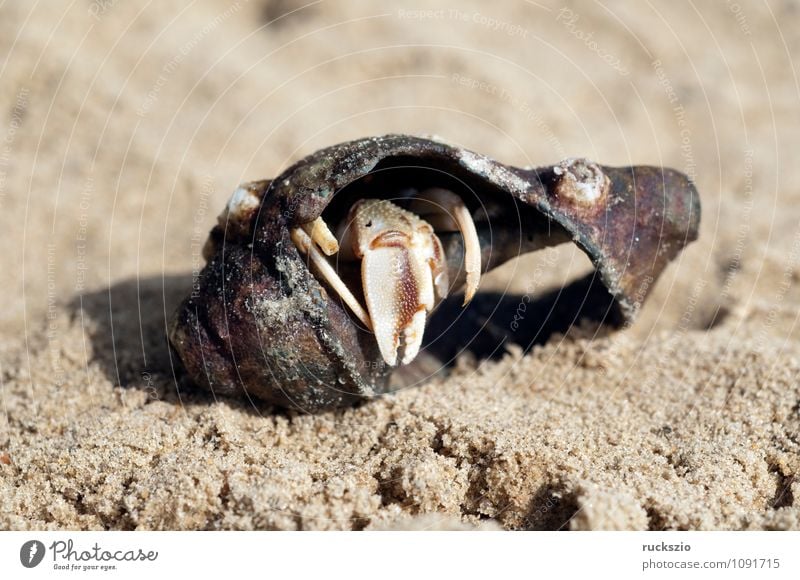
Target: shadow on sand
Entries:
(129, 323)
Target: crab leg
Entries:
(322, 236)
(445, 211)
(306, 245)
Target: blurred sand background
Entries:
(124, 126)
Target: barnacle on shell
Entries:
(319, 284)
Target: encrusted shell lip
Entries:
(630, 221)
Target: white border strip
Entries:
(387, 555)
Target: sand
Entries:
(124, 128)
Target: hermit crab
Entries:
(320, 283)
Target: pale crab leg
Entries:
(305, 244)
(445, 211)
(322, 236)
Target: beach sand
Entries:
(123, 130)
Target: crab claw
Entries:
(398, 296)
(402, 273)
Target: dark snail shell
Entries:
(259, 324)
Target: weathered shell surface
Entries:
(260, 325)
